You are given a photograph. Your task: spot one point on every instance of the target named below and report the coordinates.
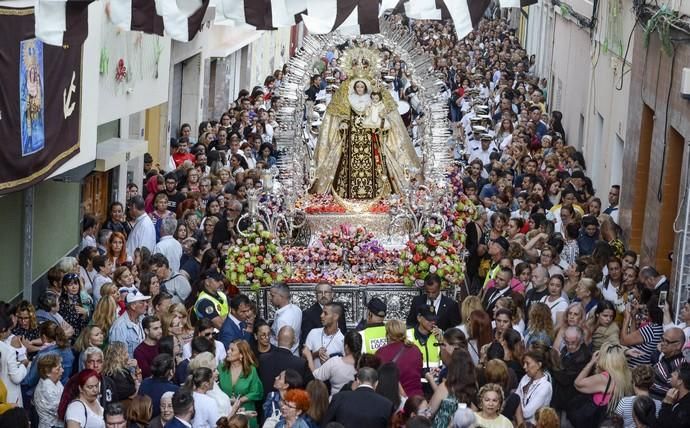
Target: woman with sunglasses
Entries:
(204, 328)
(262, 335)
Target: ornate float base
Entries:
(354, 298)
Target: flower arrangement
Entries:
(455, 179)
(322, 204)
(344, 255)
(346, 237)
(380, 207)
(461, 213)
(425, 254)
(256, 261)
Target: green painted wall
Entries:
(11, 214)
(56, 224)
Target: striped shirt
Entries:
(624, 409)
(662, 375)
(651, 335)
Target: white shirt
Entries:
(220, 352)
(538, 395)
(88, 241)
(98, 282)
(317, 339)
(287, 315)
(221, 398)
(143, 234)
(171, 249)
(46, 399)
(87, 278)
(557, 306)
(337, 372)
(82, 414)
(436, 302)
(206, 411)
(12, 372)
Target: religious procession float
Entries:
(365, 194)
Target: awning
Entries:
(227, 39)
(115, 151)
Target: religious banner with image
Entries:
(40, 96)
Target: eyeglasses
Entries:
(668, 342)
(288, 404)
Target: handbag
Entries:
(272, 420)
(583, 413)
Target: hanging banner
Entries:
(40, 96)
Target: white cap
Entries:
(135, 295)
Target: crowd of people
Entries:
(556, 326)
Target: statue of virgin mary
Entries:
(363, 150)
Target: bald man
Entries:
(280, 358)
(671, 347)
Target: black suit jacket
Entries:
(663, 287)
(490, 299)
(273, 362)
(311, 319)
(360, 408)
(448, 312)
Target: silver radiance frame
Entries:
(433, 133)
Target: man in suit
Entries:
(446, 309)
(500, 289)
(311, 317)
(653, 280)
(183, 408)
(281, 358)
(235, 324)
(363, 407)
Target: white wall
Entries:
(615, 22)
(102, 98)
(571, 73)
(146, 58)
(540, 32)
(268, 53)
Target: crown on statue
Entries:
(361, 62)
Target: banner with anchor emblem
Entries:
(40, 96)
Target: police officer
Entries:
(425, 337)
(212, 303)
(374, 332)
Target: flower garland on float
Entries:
(343, 255)
(255, 260)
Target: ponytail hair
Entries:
(353, 341)
(71, 391)
(197, 377)
(54, 333)
(396, 331)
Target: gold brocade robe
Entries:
(345, 153)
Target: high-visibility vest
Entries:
(220, 303)
(373, 338)
(431, 353)
(492, 274)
